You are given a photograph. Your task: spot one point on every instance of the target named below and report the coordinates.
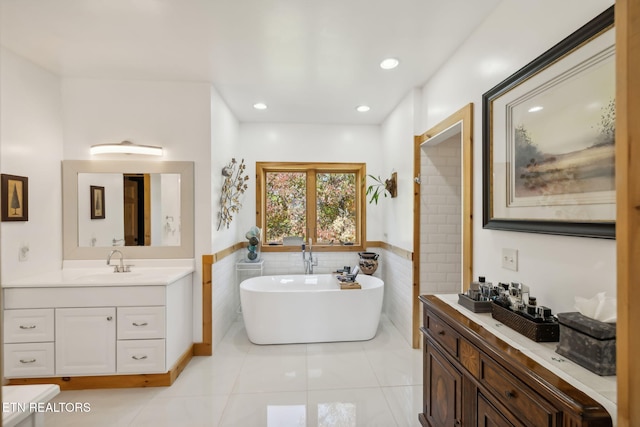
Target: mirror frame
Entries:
(70, 171)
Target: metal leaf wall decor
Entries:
(233, 186)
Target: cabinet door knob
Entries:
(456, 423)
(25, 361)
(27, 326)
(109, 318)
(139, 324)
(440, 332)
(509, 394)
(138, 357)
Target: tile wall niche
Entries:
(440, 222)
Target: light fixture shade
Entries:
(126, 147)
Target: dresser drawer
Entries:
(31, 325)
(28, 360)
(140, 356)
(141, 323)
(531, 408)
(442, 334)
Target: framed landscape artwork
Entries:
(15, 198)
(549, 140)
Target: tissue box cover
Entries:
(588, 342)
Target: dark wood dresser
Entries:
(473, 378)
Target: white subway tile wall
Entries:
(225, 297)
(441, 218)
(397, 273)
(395, 270)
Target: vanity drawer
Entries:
(28, 360)
(141, 323)
(517, 396)
(442, 334)
(28, 325)
(140, 356)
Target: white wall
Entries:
(175, 115)
(283, 142)
(397, 138)
(31, 146)
(100, 232)
(169, 220)
(397, 133)
(397, 274)
(225, 146)
(556, 268)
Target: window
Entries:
(321, 201)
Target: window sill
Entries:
(315, 248)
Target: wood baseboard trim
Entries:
(403, 253)
(202, 349)
(113, 381)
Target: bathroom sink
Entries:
(109, 278)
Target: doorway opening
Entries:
(137, 210)
(442, 258)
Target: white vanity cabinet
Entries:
(95, 330)
(85, 340)
(141, 344)
(29, 349)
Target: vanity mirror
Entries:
(145, 206)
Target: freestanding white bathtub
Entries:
(310, 308)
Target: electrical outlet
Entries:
(23, 253)
(510, 259)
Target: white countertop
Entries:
(601, 389)
(102, 276)
(16, 400)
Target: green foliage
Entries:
(336, 207)
(285, 205)
(375, 190)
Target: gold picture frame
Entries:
(15, 198)
(97, 202)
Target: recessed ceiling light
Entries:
(260, 106)
(389, 63)
(536, 108)
(363, 108)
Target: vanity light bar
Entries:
(126, 147)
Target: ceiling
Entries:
(310, 61)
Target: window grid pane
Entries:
(285, 205)
(336, 207)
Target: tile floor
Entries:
(368, 383)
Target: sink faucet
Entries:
(310, 262)
(121, 268)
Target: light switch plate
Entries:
(510, 259)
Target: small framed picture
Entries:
(97, 202)
(15, 198)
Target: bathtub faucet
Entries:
(309, 262)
